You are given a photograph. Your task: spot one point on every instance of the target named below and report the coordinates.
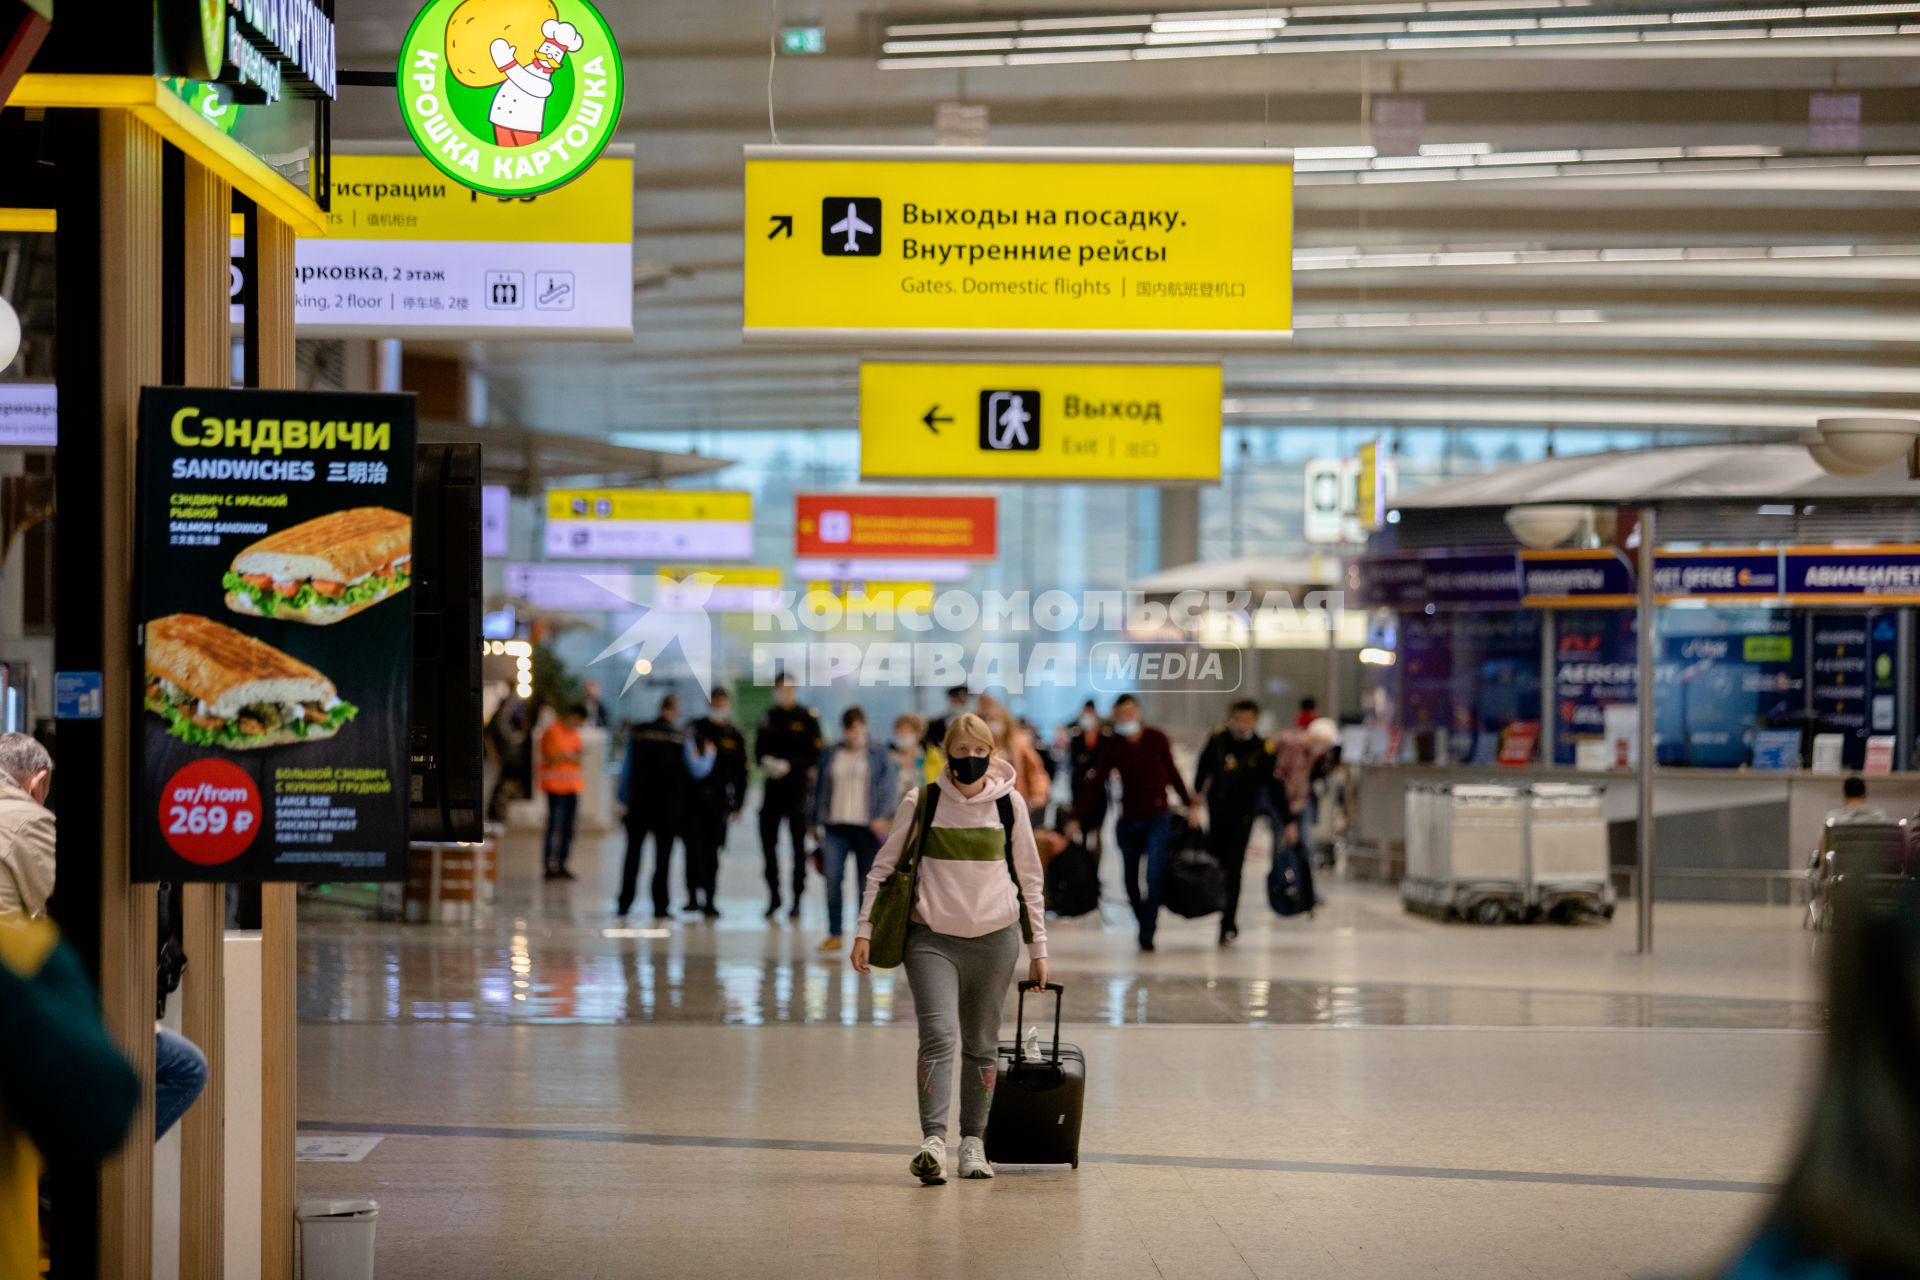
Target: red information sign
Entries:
(210, 812)
(920, 526)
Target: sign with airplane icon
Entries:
(1134, 249)
(850, 227)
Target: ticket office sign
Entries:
(649, 524)
(1132, 247)
(275, 545)
(1075, 423)
(408, 249)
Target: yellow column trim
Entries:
(169, 115)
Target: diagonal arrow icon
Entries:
(782, 225)
(933, 416)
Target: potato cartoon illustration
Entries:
(476, 24)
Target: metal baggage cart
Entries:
(1472, 862)
(1569, 872)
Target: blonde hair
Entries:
(916, 723)
(971, 728)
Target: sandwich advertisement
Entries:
(276, 632)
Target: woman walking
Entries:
(850, 803)
(956, 888)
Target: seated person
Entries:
(1853, 805)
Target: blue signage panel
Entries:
(1721, 676)
(1738, 574)
(1883, 648)
(1595, 666)
(1476, 578)
(1575, 577)
(1866, 575)
(1842, 674)
(76, 695)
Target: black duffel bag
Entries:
(1196, 886)
(1073, 881)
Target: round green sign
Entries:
(510, 97)
(213, 36)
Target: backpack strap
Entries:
(922, 822)
(1005, 805)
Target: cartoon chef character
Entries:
(520, 107)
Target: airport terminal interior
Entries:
(706, 638)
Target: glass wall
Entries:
(1736, 687)
(1466, 678)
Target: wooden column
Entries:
(130, 320)
(279, 1114)
(207, 348)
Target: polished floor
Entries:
(1361, 1094)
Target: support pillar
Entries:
(109, 205)
(206, 358)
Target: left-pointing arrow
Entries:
(933, 416)
(782, 225)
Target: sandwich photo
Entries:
(217, 687)
(323, 570)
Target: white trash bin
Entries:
(336, 1239)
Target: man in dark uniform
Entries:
(1236, 780)
(716, 766)
(653, 783)
(786, 747)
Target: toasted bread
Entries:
(340, 547)
(228, 670)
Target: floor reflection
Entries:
(576, 975)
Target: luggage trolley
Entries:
(1858, 852)
(1568, 871)
(1474, 860)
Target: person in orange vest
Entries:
(562, 781)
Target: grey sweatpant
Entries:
(959, 989)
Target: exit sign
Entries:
(803, 40)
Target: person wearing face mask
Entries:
(1235, 781)
(715, 755)
(1089, 793)
(850, 807)
(1142, 756)
(786, 746)
(912, 758)
(978, 892)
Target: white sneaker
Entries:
(929, 1163)
(973, 1159)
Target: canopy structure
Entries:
(1687, 473)
(1246, 573)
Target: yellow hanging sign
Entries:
(1053, 422)
(1129, 247)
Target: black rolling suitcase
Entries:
(1038, 1102)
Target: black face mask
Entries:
(967, 770)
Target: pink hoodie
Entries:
(967, 899)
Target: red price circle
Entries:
(210, 812)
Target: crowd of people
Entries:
(685, 782)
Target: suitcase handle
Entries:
(1020, 1018)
